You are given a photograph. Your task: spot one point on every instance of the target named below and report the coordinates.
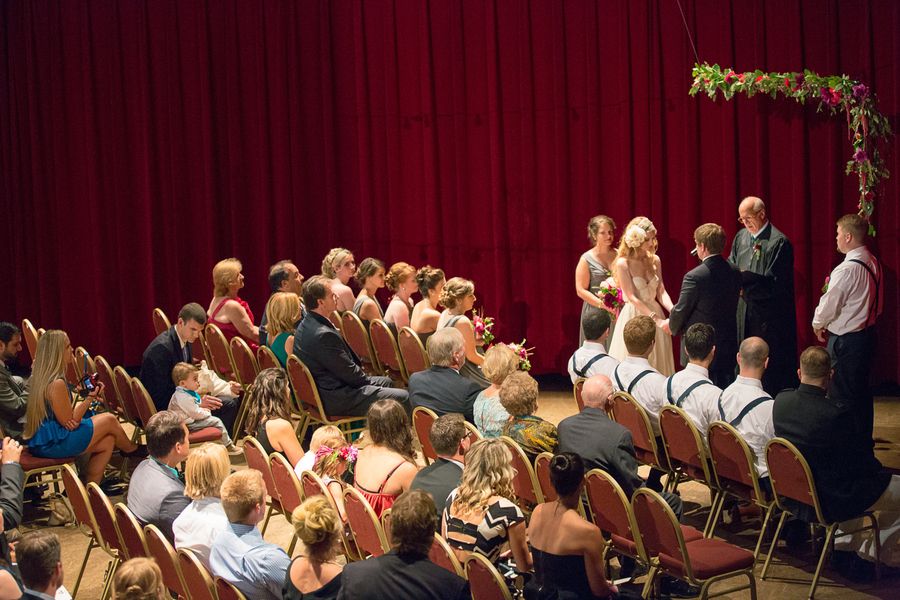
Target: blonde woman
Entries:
(282, 314)
(480, 515)
(430, 281)
(370, 277)
(458, 296)
(639, 274)
(595, 267)
(499, 362)
(401, 280)
(339, 266)
(58, 427)
(202, 520)
(139, 579)
(269, 415)
(315, 573)
(227, 310)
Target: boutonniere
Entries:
(827, 281)
(757, 249)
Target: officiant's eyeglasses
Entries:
(748, 218)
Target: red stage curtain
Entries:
(142, 140)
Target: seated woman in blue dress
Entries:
(282, 315)
(55, 426)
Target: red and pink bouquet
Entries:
(483, 327)
(523, 353)
(611, 296)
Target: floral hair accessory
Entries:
(635, 236)
(327, 456)
(523, 354)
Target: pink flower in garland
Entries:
(860, 91)
(860, 156)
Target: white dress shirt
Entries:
(198, 525)
(702, 404)
(583, 356)
(650, 391)
(306, 463)
(847, 306)
(757, 427)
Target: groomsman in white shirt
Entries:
(847, 311)
(591, 358)
(691, 389)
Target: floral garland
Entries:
(865, 125)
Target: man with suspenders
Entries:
(591, 358)
(852, 301)
(746, 407)
(691, 389)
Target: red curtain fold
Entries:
(141, 141)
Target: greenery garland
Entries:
(865, 125)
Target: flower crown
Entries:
(327, 456)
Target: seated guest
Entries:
(591, 358)
(480, 515)
(370, 277)
(40, 564)
(318, 438)
(269, 415)
(519, 395)
(458, 296)
(339, 266)
(315, 573)
(202, 520)
(567, 550)
(283, 313)
(450, 440)
(334, 458)
(849, 479)
(12, 481)
(227, 310)
(172, 347)
(13, 396)
(425, 315)
(405, 571)
(186, 402)
(441, 387)
(284, 276)
(139, 579)
(156, 493)
(746, 407)
(386, 467)
(691, 388)
(499, 362)
(239, 554)
(343, 386)
(58, 427)
(604, 444)
(401, 280)
(635, 375)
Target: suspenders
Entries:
(744, 412)
(582, 372)
(874, 310)
(686, 392)
(633, 381)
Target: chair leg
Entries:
(648, 585)
(266, 520)
(877, 540)
(762, 531)
(713, 501)
(752, 584)
(715, 513)
(829, 535)
(87, 555)
(290, 551)
(108, 578)
(774, 543)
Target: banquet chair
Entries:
(257, 459)
(161, 322)
(386, 524)
(312, 485)
(84, 517)
(30, 335)
(576, 391)
(40, 471)
(131, 533)
(474, 435)
(306, 395)
(629, 413)
(225, 590)
(364, 524)
(162, 551)
(109, 540)
(485, 582)
(287, 486)
(542, 472)
(525, 483)
(198, 580)
(147, 409)
(387, 352)
(123, 384)
(412, 351)
(335, 318)
(219, 352)
(442, 555)
(244, 361)
(111, 394)
(266, 359)
(357, 337)
(423, 418)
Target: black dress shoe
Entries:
(676, 588)
(139, 452)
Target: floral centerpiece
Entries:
(483, 327)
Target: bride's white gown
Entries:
(661, 358)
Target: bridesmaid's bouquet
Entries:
(523, 353)
(483, 327)
(611, 296)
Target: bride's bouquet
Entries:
(611, 295)
(483, 327)
(523, 353)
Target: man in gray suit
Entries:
(156, 492)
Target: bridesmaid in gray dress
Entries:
(458, 296)
(594, 267)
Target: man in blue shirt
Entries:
(239, 554)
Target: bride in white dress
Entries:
(638, 272)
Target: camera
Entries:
(88, 384)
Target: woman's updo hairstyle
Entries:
(398, 273)
(455, 290)
(317, 525)
(566, 473)
(594, 226)
(332, 260)
(427, 279)
(139, 579)
(367, 268)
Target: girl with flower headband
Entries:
(334, 458)
(639, 273)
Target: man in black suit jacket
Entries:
(450, 440)
(405, 571)
(709, 294)
(441, 388)
(346, 391)
(172, 347)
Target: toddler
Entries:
(186, 402)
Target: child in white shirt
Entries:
(186, 402)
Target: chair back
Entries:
(225, 590)
(335, 318)
(542, 472)
(123, 385)
(791, 476)
(266, 359)
(412, 351)
(142, 401)
(219, 351)
(611, 511)
(387, 351)
(84, 362)
(442, 555)
(306, 392)
(484, 580)
(131, 532)
(684, 446)
(78, 498)
(105, 518)
(386, 524)
(111, 394)
(161, 322)
(576, 390)
(257, 459)
(423, 418)
(474, 435)
(162, 551)
(658, 527)
(290, 494)
(357, 337)
(525, 483)
(633, 417)
(244, 361)
(197, 578)
(734, 464)
(30, 334)
(312, 485)
(364, 523)
(199, 351)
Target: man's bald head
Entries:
(597, 392)
(753, 354)
(753, 204)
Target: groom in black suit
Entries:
(709, 294)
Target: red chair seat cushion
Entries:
(709, 557)
(207, 434)
(624, 544)
(690, 534)
(30, 463)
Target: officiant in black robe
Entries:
(766, 308)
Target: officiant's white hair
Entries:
(755, 203)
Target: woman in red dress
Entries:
(227, 310)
